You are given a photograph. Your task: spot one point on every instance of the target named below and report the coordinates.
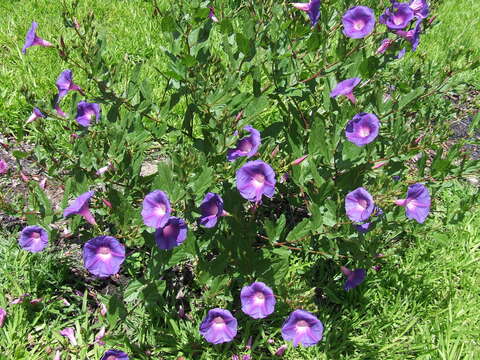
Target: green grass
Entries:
(453, 42)
(422, 304)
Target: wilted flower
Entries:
(80, 206)
(354, 277)
(103, 255)
(386, 43)
(359, 205)
(358, 22)
(412, 36)
(172, 234)
(379, 164)
(24, 177)
(302, 327)
(61, 113)
(19, 300)
(32, 39)
(58, 355)
(420, 8)
(362, 129)
(299, 160)
(36, 114)
(43, 183)
(33, 239)
(156, 209)
(211, 14)
(312, 8)
(397, 17)
(346, 87)
(281, 350)
(3, 167)
(417, 203)
(3, 316)
(219, 326)
(36, 301)
(70, 334)
(107, 203)
(255, 179)
(65, 84)
(249, 343)
(100, 335)
(258, 300)
(114, 355)
(104, 169)
(211, 209)
(86, 112)
(364, 228)
(103, 309)
(181, 312)
(246, 146)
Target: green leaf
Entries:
(203, 181)
(301, 230)
(274, 229)
(412, 95)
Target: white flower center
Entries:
(258, 180)
(359, 25)
(302, 326)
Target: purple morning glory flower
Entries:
(247, 146)
(36, 114)
(354, 277)
(33, 239)
(386, 43)
(359, 205)
(3, 316)
(255, 179)
(32, 39)
(86, 112)
(401, 53)
(211, 14)
(3, 167)
(362, 129)
(358, 22)
(420, 8)
(346, 87)
(413, 36)
(302, 327)
(103, 255)
(219, 326)
(211, 209)
(258, 300)
(417, 203)
(156, 209)
(113, 354)
(312, 8)
(397, 17)
(80, 206)
(172, 234)
(65, 84)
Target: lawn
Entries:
(419, 300)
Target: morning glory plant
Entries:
(168, 154)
